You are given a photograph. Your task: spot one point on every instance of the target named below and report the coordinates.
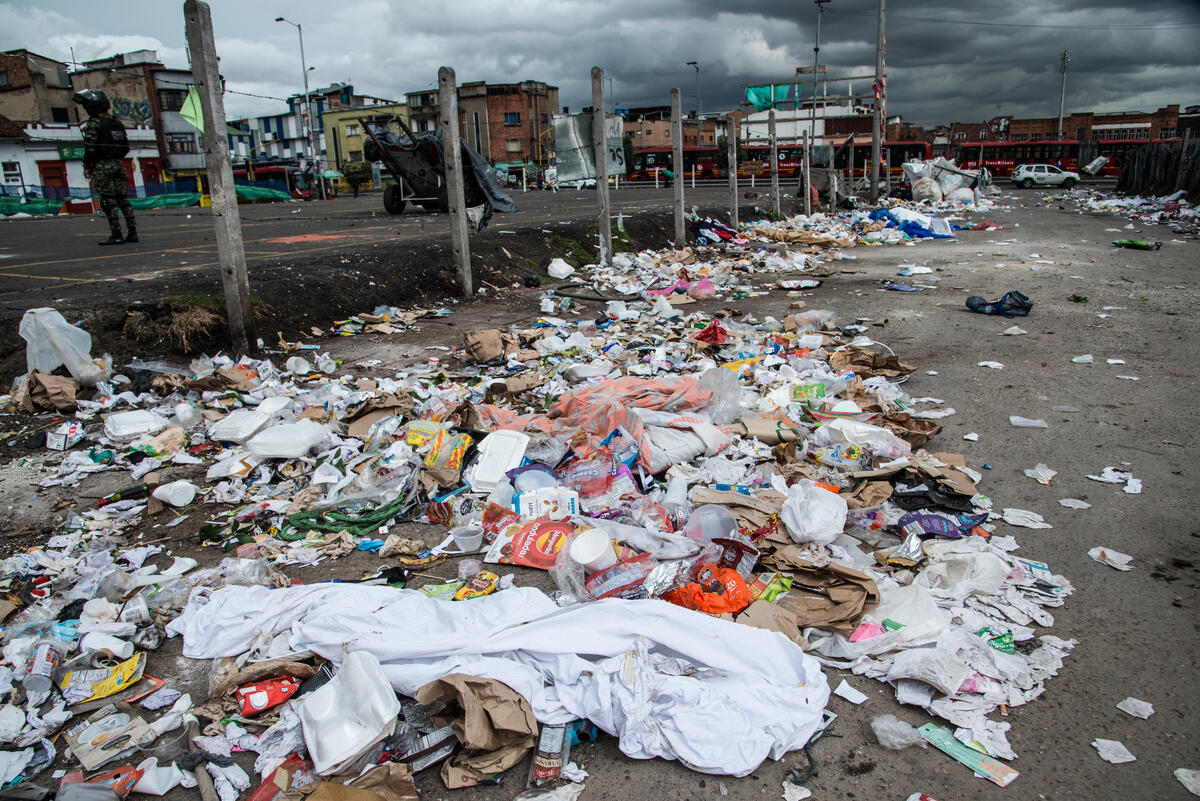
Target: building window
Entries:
(512, 118)
(1019, 137)
(959, 136)
(545, 118)
(181, 143)
(3, 77)
(59, 114)
(512, 145)
(1166, 133)
(1035, 137)
(353, 130)
(12, 172)
(171, 99)
(354, 155)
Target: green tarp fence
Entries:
(41, 207)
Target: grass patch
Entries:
(571, 251)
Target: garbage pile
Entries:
(1173, 211)
(719, 504)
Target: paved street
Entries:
(58, 259)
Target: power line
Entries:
(1154, 27)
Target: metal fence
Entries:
(48, 192)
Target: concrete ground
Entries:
(1136, 630)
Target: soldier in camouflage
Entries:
(105, 144)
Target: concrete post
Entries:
(600, 147)
(230, 252)
(807, 176)
(776, 201)
(677, 159)
(731, 160)
(452, 152)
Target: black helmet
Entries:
(93, 101)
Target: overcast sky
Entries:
(943, 64)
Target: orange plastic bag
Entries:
(716, 590)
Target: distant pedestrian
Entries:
(105, 144)
(354, 181)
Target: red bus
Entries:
(1069, 154)
(791, 157)
(649, 162)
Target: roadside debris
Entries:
(1113, 751)
(689, 485)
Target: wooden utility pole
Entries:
(807, 176)
(776, 201)
(230, 252)
(600, 146)
(731, 159)
(677, 166)
(877, 128)
(1183, 146)
(452, 154)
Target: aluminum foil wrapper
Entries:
(667, 576)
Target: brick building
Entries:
(1084, 126)
(504, 122)
(35, 88)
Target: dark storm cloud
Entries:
(940, 69)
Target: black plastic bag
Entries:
(1013, 304)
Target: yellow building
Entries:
(344, 135)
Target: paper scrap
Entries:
(1024, 518)
(844, 690)
(1113, 751)
(1107, 556)
(1041, 473)
(1013, 331)
(1084, 359)
(1133, 486)
(1074, 503)
(992, 365)
(972, 437)
(1129, 378)
(1025, 422)
(1137, 708)
(1114, 361)
(794, 792)
(1190, 779)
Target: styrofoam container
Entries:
(499, 452)
(351, 712)
(593, 549)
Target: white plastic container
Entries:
(240, 425)
(125, 426)
(499, 452)
(177, 493)
(298, 366)
(351, 712)
(468, 539)
(593, 549)
(286, 440)
(708, 522)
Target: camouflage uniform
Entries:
(108, 177)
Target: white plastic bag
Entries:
(559, 269)
(812, 514)
(926, 189)
(54, 341)
(177, 493)
(894, 734)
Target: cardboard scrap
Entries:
(867, 364)
(487, 344)
(44, 391)
(493, 722)
(392, 781)
(868, 494)
(766, 615)
(915, 431)
(360, 419)
(770, 431)
(832, 596)
(333, 791)
(750, 511)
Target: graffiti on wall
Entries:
(134, 111)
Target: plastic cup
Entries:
(593, 549)
(43, 660)
(710, 521)
(468, 539)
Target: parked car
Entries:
(1030, 175)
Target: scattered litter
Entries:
(991, 769)
(894, 734)
(1113, 751)
(972, 437)
(1084, 359)
(1190, 779)
(1136, 708)
(1074, 503)
(1013, 331)
(1107, 556)
(1024, 518)
(1041, 473)
(1129, 378)
(992, 365)
(844, 690)
(1025, 422)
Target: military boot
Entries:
(132, 235)
(114, 239)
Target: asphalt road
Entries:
(57, 259)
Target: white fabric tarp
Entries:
(672, 683)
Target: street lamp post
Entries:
(812, 124)
(699, 105)
(307, 127)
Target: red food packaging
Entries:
(263, 695)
